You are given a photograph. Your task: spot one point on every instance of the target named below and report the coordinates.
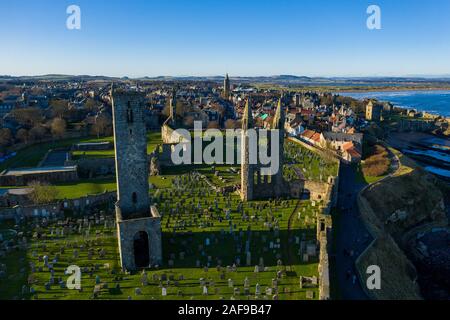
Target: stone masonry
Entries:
(138, 224)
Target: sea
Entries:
(432, 101)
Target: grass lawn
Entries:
(82, 188)
(311, 165)
(184, 231)
(32, 155)
(154, 139)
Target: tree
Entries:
(22, 135)
(102, 125)
(36, 133)
(180, 109)
(90, 104)
(43, 193)
(230, 124)
(59, 108)
(213, 125)
(28, 117)
(5, 138)
(166, 111)
(58, 128)
(189, 121)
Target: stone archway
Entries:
(141, 250)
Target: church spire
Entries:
(247, 118)
(226, 87)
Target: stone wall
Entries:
(44, 176)
(77, 205)
(91, 167)
(416, 125)
(324, 230)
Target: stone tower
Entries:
(247, 170)
(278, 123)
(226, 87)
(138, 224)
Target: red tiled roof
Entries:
(354, 153)
(312, 135)
(348, 145)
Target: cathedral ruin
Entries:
(254, 185)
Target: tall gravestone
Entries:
(138, 223)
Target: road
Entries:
(352, 237)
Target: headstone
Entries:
(257, 290)
(249, 258)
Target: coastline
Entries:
(390, 89)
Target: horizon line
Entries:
(423, 76)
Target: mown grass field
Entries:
(32, 155)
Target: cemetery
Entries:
(214, 247)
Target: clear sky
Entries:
(210, 37)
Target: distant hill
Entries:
(275, 79)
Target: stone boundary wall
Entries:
(416, 125)
(90, 167)
(329, 195)
(77, 205)
(324, 236)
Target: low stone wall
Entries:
(49, 176)
(77, 205)
(90, 167)
(416, 125)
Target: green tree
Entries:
(43, 193)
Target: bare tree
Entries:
(36, 133)
(230, 124)
(59, 108)
(58, 128)
(102, 125)
(29, 117)
(22, 135)
(213, 125)
(5, 138)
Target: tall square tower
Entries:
(138, 224)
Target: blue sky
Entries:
(210, 37)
